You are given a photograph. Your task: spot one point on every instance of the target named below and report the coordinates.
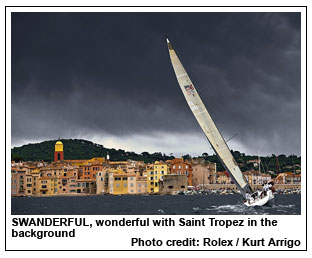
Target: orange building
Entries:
(180, 167)
(89, 171)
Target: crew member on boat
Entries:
(266, 188)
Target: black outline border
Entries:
(133, 250)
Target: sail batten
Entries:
(206, 123)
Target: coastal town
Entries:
(99, 175)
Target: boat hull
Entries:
(267, 200)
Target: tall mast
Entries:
(259, 161)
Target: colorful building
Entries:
(203, 174)
(160, 169)
(118, 182)
(46, 185)
(180, 167)
(288, 178)
(141, 184)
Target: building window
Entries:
(139, 190)
(117, 185)
(43, 186)
(170, 186)
(179, 167)
(131, 190)
(125, 184)
(102, 178)
(173, 166)
(139, 184)
(155, 172)
(182, 186)
(131, 178)
(186, 166)
(131, 184)
(155, 177)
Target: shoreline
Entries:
(220, 191)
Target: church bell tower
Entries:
(58, 153)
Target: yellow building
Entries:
(35, 174)
(28, 186)
(117, 182)
(155, 175)
(46, 185)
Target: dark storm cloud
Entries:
(95, 73)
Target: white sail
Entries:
(206, 123)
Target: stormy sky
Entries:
(107, 77)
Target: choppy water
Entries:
(145, 205)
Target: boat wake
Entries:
(241, 209)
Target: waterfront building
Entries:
(46, 185)
(86, 186)
(118, 182)
(132, 186)
(223, 178)
(254, 177)
(141, 184)
(173, 183)
(160, 169)
(102, 181)
(35, 176)
(288, 178)
(28, 185)
(58, 152)
(18, 181)
(204, 173)
(180, 167)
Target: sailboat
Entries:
(212, 133)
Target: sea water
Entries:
(151, 205)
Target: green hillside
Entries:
(83, 149)
(79, 149)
